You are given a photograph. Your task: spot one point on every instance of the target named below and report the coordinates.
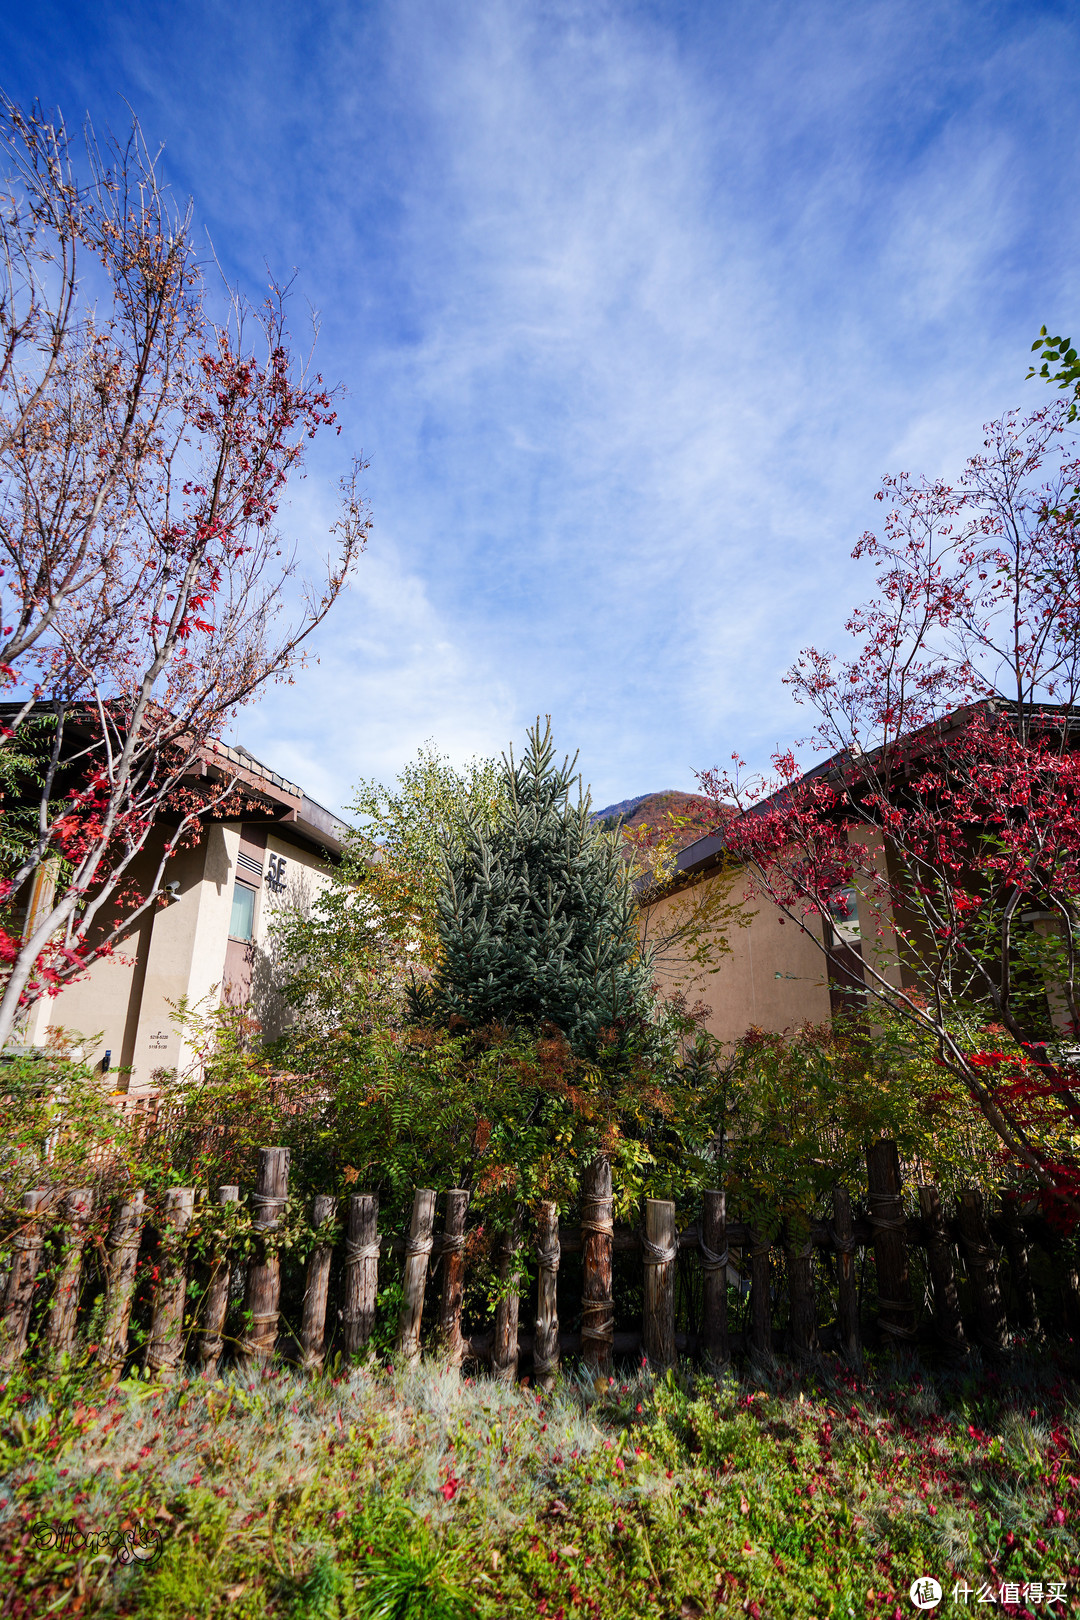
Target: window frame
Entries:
(242, 939)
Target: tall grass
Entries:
(402, 1494)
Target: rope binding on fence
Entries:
(897, 1330)
(654, 1255)
(886, 1223)
(355, 1252)
(711, 1261)
(598, 1319)
(596, 1215)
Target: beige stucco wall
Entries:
(745, 990)
(879, 944)
(101, 1007)
(187, 952)
(306, 875)
(94, 1011)
(122, 1004)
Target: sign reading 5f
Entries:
(275, 874)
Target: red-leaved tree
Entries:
(144, 450)
(948, 810)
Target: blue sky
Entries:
(634, 305)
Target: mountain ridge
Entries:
(625, 807)
(654, 809)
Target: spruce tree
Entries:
(537, 917)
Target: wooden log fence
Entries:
(125, 1237)
(316, 1293)
(660, 1252)
(949, 1322)
(506, 1344)
(546, 1334)
(264, 1275)
(715, 1259)
(728, 1264)
(597, 1242)
(757, 1252)
(896, 1309)
(361, 1270)
(165, 1345)
(65, 1305)
(212, 1338)
(1016, 1246)
(28, 1246)
(847, 1293)
(799, 1255)
(979, 1254)
(417, 1253)
(453, 1284)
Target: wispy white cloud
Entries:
(635, 303)
(667, 389)
(392, 677)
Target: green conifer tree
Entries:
(537, 917)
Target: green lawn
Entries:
(394, 1493)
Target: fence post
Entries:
(212, 1338)
(125, 1237)
(313, 1326)
(546, 1336)
(504, 1349)
(453, 1277)
(65, 1303)
(714, 1263)
(947, 1318)
(1068, 1274)
(28, 1247)
(896, 1310)
(263, 1296)
(165, 1345)
(417, 1251)
(798, 1251)
(660, 1247)
(982, 1269)
(1019, 1269)
(760, 1303)
(361, 1270)
(597, 1234)
(847, 1294)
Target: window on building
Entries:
(844, 912)
(242, 922)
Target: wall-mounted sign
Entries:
(275, 875)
